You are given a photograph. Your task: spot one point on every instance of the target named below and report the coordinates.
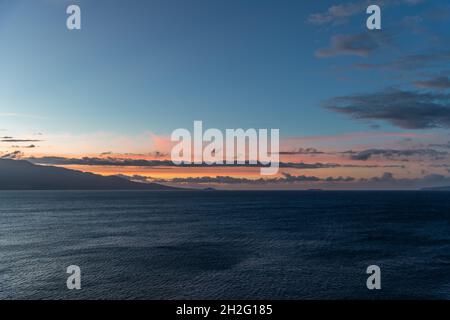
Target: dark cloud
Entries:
(302, 165)
(391, 153)
(373, 166)
(440, 145)
(20, 140)
(24, 147)
(361, 44)
(94, 161)
(109, 161)
(156, 163)
(156, 154)
(440, 165)
(386, 177)
(12, 155)
(290, 178)
(286, 178)
(386, 181)
(306, 151)
(167, 163)
(159, 154)
(435, 83)
(404, 109)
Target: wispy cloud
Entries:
(411, 62)
(441, 83)
(362, 44)
(340, 13)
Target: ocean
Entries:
(224, 244)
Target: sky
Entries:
(356, 108)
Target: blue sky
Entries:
(372, 106)
(159, 65)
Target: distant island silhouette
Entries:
(23, 175)
(447, 188)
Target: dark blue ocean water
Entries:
(224, 245)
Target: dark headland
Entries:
(23, 175)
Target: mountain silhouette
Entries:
(23, 175)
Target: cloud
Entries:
(340, 13)
(285, 179)
(404, 109)
(302, 165)
(120, 162)
(31, 146)
(112, 155)
(435, 83)
(20, 140)
(386, 181)
(441, 145)
(337, 13)
(94, 161)
(291, 178)
(362, 44)
(391, 153)
(12, 155)
(110, 161)
(373, 166)
(333, 140)
(411, 62)
(305, 151)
